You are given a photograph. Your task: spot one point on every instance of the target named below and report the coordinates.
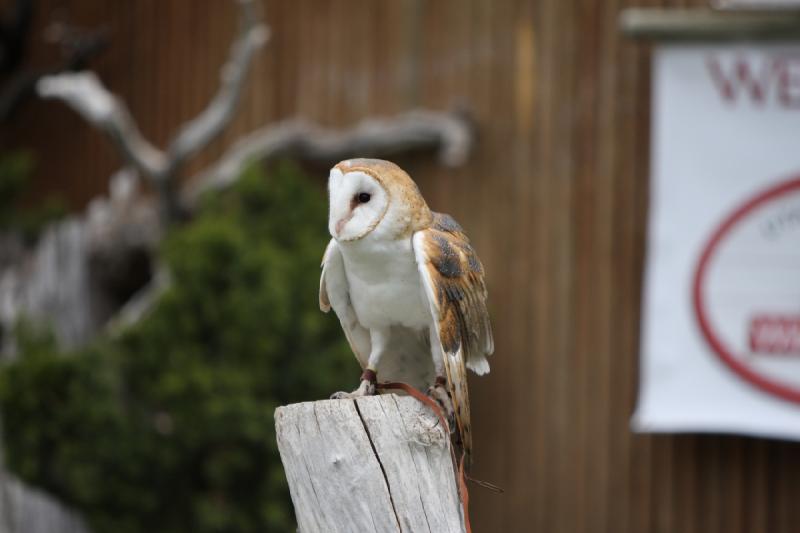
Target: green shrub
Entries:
(15, 171)
(169, 427)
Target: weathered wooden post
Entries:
(379, 463)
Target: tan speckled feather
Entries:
(454, 281)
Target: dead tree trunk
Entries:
(27, 510)
(379, 463)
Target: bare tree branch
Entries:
(450, 133)
(85, 93)
(198, 132)
(77, 47)
(141, 303)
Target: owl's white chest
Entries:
(384, 284)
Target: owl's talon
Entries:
(367, 388)
(439, 393)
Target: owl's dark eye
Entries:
(363, 197)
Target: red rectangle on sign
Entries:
(775, 334)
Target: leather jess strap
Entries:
(369, 375)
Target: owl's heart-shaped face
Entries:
(358, 203)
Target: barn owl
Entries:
(406, 286)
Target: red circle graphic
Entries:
(717, 345)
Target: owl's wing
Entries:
(334, 292)
(453, 279)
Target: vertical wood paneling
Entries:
(555, 198)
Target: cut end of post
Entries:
(378, 463)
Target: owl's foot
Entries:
(439, 393)
(366, 388)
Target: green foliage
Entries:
(15, 170)
(169, 427)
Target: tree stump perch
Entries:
(379, 463)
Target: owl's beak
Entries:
(340, 224)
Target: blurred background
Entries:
(154, 317)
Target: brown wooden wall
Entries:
(555, 198)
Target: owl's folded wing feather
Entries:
(453, 278)
(334, 292)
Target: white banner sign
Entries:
(792, 5)
(721, 310)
